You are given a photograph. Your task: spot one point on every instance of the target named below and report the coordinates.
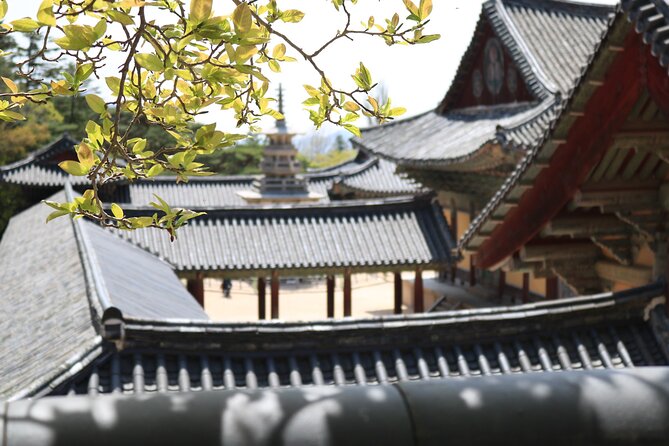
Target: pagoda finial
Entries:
(281, 123)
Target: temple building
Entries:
(524, 59)
(548, 157)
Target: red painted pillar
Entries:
(347, 292)
(526, 288)
(501, 285)
(275, 295)
(330, 284)
(398, 293)
(551, 288)
(261, 298)
(196, 288)
(418, 293)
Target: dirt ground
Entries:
(372, 295)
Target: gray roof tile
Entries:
(542, 337)
(397, 231)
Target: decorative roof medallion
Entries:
(477, 83)
(493, 64)
(512, 80)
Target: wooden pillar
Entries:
(501, 285)
(275, 295)
(418, 294)
(552, 288)
(526, 288)
(347, 292)
(472, 271)
(398, 293)
(261, 298)
(330, 284)
(454, 230)
(196, 288)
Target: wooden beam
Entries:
(347, 292)
(397, 309)
(195, 287)
(616, 200)
(275, 295)
(584, 226)
(630, 275)
(553, 251)
(330, 285)
(418, 293)
(526, 288)
(262, 287)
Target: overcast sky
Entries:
(416, 77)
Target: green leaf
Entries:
(117, 211)
(114, 83)
(96, 103)
(155, 170)
(413, 9)
(45, 13)
(242, 18)
(25, 25)
(3, 9)
(274, 66)
(85, 156)
(279, 51)
(292, 16)
(200, 10)
(56, 214)
(397, 111)
(10, 84)
(73, 168)
(429, 38)
(120, 17)
(351, 106)
(8, 115)
(425, 8)
(149, 61)
(353, 129)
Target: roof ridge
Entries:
(646, 292)
(336, 205)
(529, 56)
(97, 288)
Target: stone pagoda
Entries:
(281, 181)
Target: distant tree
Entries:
(242, 159)
(177, 61)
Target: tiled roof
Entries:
(550, 42)
(367, 175)
(58, 281)
(378, 176)
(433, 139)
(598, 332)
(555, 37)
(380, 234)
(46, 318)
